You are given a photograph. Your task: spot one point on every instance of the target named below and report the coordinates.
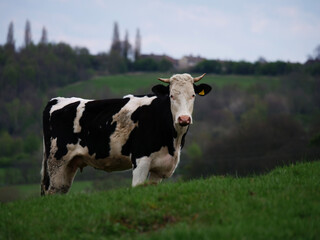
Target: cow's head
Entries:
(182, 92)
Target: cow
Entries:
(143, 133)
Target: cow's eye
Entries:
(171, 96)
(193, 95)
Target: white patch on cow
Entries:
(124, 123)
(53, 148)
(62, 102)
(77, 150)
(80, 110)
(128, 96)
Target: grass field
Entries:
(284, 204)
(133, 83)
(17, 192)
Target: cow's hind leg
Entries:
(45, 180)
(154, 178)
(61, 176)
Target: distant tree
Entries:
(312, 66)
(165, 65)
(137, 50)
(261, 60)
(208, 66)
(315, 56)
(27, 34)
(243, 68)
(44, 36)
(316, 53)
(116, 44)
(146, 64)
(116, 63)
(10, 37)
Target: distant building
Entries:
(188, 62)
(184, 63)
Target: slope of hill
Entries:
(284, 204)
(131, 83)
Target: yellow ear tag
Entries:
(201, 93)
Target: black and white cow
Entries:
(145, 133)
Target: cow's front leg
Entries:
(140, 173)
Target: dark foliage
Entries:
(151, 65)
(259, 68)
(242, 132)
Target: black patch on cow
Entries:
(155, 130)
(97, 127)
(184, 138)
(144, 95)
(46, 126)
(161, 90)
(61, 124)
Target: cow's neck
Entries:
(179, 140)
(178, 144)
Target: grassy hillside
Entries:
(284, 204)
(131, 83)
(23, 191)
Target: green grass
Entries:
(284, 204)
(131, 83)
(34, 189)
(25, 191)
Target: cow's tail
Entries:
(45, 180)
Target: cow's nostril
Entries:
(184, 120)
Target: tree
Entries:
(209, 66)
(10, 37)
(145, 64)
(27, 34)
(137, 50)
(165, 65)
(116, 44)
(261, 60)
(317, 53)
(44, 37)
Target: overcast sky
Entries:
(286, 30)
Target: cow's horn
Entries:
(196, 79)
(165, 80)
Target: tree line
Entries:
(260, 67)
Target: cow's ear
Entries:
(202, 89)
(160, 90)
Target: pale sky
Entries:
(287, 30)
